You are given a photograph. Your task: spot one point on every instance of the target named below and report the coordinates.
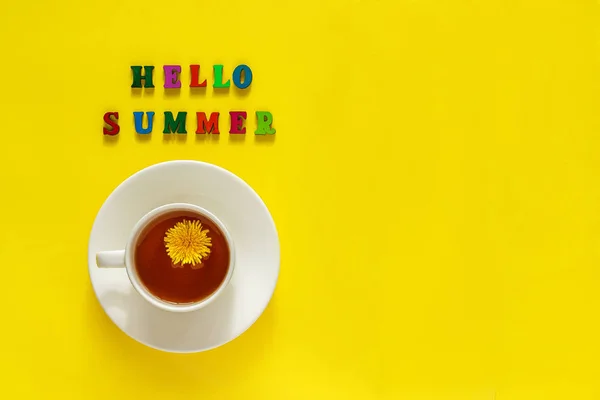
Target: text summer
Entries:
(143, 77)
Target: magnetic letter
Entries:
(171, 76)
(210, 126)
(138, 118)
(237, 76)
(114, 124)
(175, 125)
(147, 77)
(218, 83)
(264, 119)
(237, 121)
(195, 71)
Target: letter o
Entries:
(237, 76)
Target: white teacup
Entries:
(125, 258)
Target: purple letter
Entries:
(172, 76)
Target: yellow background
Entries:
(434, 180)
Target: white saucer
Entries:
(256, 246)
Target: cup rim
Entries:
(130, 262)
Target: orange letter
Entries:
(210, 126)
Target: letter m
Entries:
(208, 126)
(175, 125)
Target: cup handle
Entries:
(111, 259)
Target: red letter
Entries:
(114, 125)
(210, 126)
(195, 70)
(237, 121)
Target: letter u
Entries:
(138, 117)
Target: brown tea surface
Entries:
(177, 283)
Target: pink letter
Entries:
(172, 76)
(237, 121)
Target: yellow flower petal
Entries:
(187, 243)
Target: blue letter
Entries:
(237, 76)
(138, 117)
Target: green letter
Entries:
(218, 83)
(264, 119)
(137, 76)
(173, 125)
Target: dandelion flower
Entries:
(188, 243)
